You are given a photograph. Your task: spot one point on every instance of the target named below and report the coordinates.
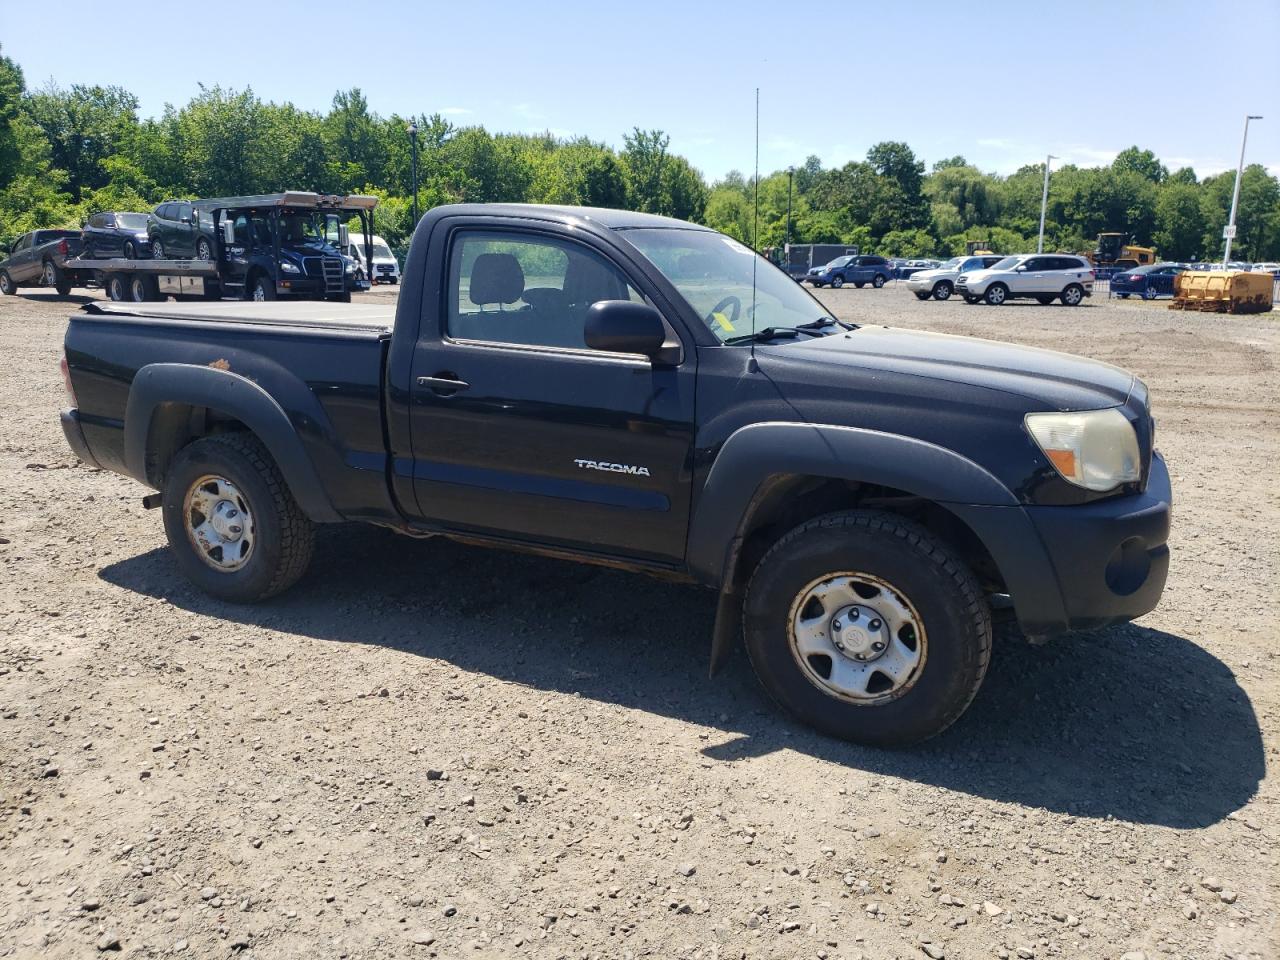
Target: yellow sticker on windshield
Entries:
(725, 325)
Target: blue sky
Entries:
(1001, 83)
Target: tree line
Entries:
(66, 153)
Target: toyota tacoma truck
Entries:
(631, 390)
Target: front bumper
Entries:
(1083, 566)
(75, 436)
(917, 284)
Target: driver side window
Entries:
(519, 289)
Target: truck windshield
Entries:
(714, 274)
(310, 227)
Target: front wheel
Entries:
(263, 289)
(234, 527)
(878, 281)
(996, 294)
(866, 627)
(157, 249)
(942, 290)
(130, 251)
(1073, 295)
(204, 251)
(1149, 293)
(7, 286)
(971, 300)
(838, 282)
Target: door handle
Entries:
(444, 386)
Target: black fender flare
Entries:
(758, 452)
(158, 384)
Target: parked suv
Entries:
(941, 282)
(1043, 277)
(859, 271)
(174, 230)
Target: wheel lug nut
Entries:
(877, 646)
(836, 625)
(875, 624)
(854, 613)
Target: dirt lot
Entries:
(432, 750)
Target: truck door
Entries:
(519, 429)
(21, 260)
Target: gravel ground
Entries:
(433, 750)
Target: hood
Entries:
(1046, 378)
(304, 248)
(933, 273)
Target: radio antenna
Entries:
(755, 231)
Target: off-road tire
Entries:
(945, 593)
(942, 290)
(285, 536)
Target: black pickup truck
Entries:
(636, 391)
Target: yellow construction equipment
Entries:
(1113, 251)
(1222, 291)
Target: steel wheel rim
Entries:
(831, 636)
(219, 523)
(138, 290)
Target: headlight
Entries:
(288, 267)
(1094, 449)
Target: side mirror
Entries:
(228, 232)
(622, 326)
(186, 219)
(1020, 268)
(344, 236)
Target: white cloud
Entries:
(455, 111)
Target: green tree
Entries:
(644, 157)
(84, 126)
(1180, 225)
(1141, 162)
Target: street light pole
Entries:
(1230, 232)
(413, 140)
(1044, 202)
(787, 243)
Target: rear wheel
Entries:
(53, 277)
(234, 527)
(1073, 295)
(157, 249)
(130, 251)
(1123, 296)
(865, 626)
(143, 289)
(117, 289)
(878, 281)
(996, 294)
(1149, 293)
(942, 290)
(204, 250)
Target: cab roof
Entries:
(604, 216)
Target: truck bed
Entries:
(376, 319)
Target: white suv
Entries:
(1041, 276)
(940, 281)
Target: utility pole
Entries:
(413, 140)
(1230, 232)
(1044, 202)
